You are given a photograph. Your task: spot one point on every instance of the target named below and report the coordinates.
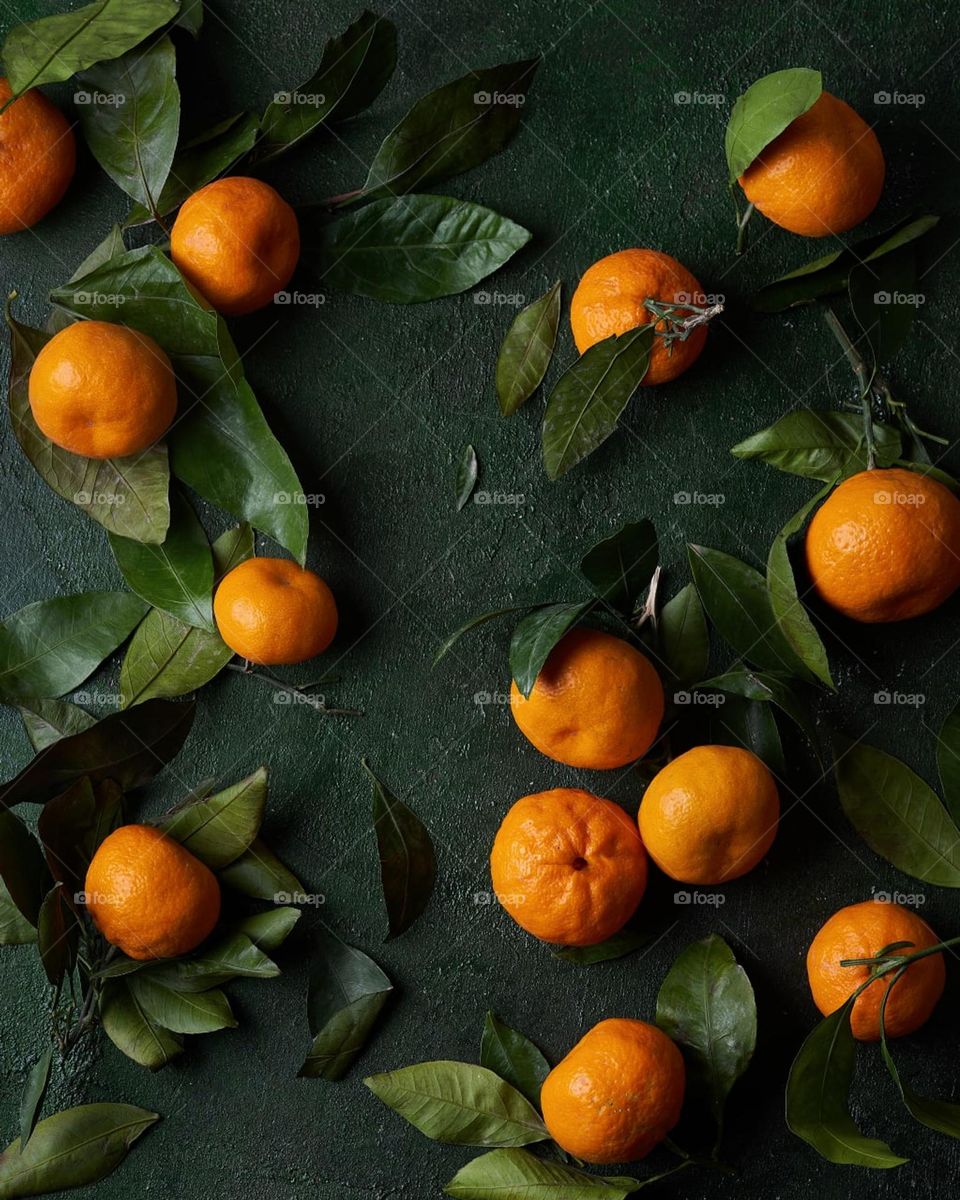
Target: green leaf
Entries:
(520, 1175)
(684, 639)
(168, 658)
(585, 405)
(898, 815)
(132, 132)
(347, 992)
(737, 601)
(54, 48)
(941, 1115)
(466, 476)
(259, 873)
(58, 935)
(527, 350)
(231, 549)
(948, 762)
(132, 1031)
(22, 866)
(706, 1005)
(234, 956)
(199, 161)
(508, 1053)
(47, 721)
(621, 566)
(790, 615)
(220, 828)
(268, 930)
(408, 863)
(72, 825)
(819, 445)
(125, 495)
(72, 1148)
(451, 129)
(178, 1011)
(416, 248)
(354, 68)
(34, 1090)
(191, 17)
(220, 445)
(459, 1103)
(15, 929)
(536, 635)
(451, 639)
(765, 110)
(817, 1097)
(127, 747)
(177, 576)
(770, 689)
(884, 301)
(618, 946)
(751, 724)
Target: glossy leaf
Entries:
(408, 864)
(259, 873)
(177, 576)
(47, 721)
(231, 549)
(268, 930)
(585, 405)
(221, 827)
(72, 1148)
(770, 689)
(948, 762)
(125, 495)
(621, 566)
(416, 248)
(58, 935)
(233, 956)
(134, 139)
(818, 1097)
(536, 635)
(751, 724)
(508, 1053)
(181, 1012)
(706, 1005)
(765, 110)
(527, 350)
(191, 17)
(54, 48)
(618, 946)
(354, 68)
(168, 658)
(347, 992)
(22, 867)
(132, 1031)
(34, 1090)
(460, 1103)
(520, 1175)
(788, 611)
(881, 296)
(684, 638)
(451, 129)
(466, 476)
(898, 815)
(127, 747)
(819, 445)
(72, 825)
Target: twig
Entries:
(298, 694)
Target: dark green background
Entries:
(375, 403)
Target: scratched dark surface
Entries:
(375, 403)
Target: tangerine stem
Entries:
(296, 693)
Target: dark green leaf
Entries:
(220, 828)
(684, 639)
(466, 476)
(75, 1147)
(234, 956)
(620, 567)
(191, 16)
(54, 48)
(790, 615)
(408, 864)
(770, 689)
(125, 495)
(706, 1005)
(72, 826)
(231, 549)
(507, 1053)
(131, 118)
(765, 110)
(178, 1011)
(621, 944)
(168, 658)
(884, 301)
(459, 1103)
(536, 635)
(47, 721)
(268, 930)
(58, 935)
(35, 1088)
(585, 406)
(898, 815)
(127, 747)
(737, 601)
(751, 724)
(416, 248)
(451, 129)
(126, 1024)
(948, 762)
(520, 1175)
(817, 1097)
(347, 992)
(354, 68)
(527, 350)
(259, 873)
(448, 642)
(22, 866)
(941, 1115)
(819, 445)
(15, 929)
(177, 576)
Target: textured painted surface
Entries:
(376, 403)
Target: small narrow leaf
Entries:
(619, 946)
(259, 873)
(451, 639)
(31, 1102)
(684, 638)
(527, 350)
(466, 476)
(408, 865)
